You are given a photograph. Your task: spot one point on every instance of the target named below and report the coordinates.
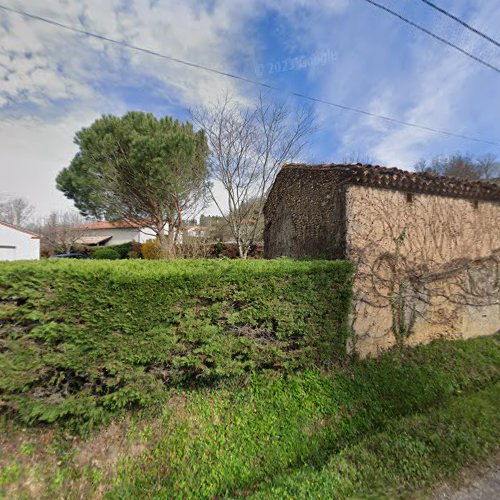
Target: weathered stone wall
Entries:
(427, 267)
(305, 216)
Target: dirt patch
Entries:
(473, 483)
(48, 463)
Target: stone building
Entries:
(426, 247)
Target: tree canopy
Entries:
(138, 168)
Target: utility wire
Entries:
(433, 35)
(463, 23)
(243, 79)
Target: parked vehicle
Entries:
(70, 256)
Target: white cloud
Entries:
(33, 152)
(421, 81)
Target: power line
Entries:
(243, 79)
(433, 35)
(463, 23)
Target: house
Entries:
(102, 233)
(195, 231)
(426, 247)
(17, 243)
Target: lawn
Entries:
(385, 427)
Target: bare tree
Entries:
(488, 166)
(62, 230)
(465, 166)
(358, 157)
(16, 211)
(248, 145)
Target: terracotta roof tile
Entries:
(402, 180)
(120, 224)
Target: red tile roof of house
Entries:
(119, 224)
(22, 230)
(402, 180)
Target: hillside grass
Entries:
(377, 428)
(81, 342)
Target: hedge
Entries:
(83, 340)
(105, 253)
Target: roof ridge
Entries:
(18, 228)
(398, 179)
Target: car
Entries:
(70, 256)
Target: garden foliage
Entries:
(105, 253)
(84, 340)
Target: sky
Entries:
(54, 82)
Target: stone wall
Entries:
(305, 216)
(427, 267)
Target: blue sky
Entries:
(53, 82)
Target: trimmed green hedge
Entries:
(82, 340)
(105, 253)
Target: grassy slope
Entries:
(379, 427)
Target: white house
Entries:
(113, 233)
(195, 231)
(17, 243)
(102, 233)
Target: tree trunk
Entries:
(166, 243)
(242, 250)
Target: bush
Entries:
(123, 249)
(128, 250)
(82, 341)
(105, 253)
(151, 250)
(230, 251)
(135, 251)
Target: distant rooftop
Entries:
(120, 224)
(402, 180)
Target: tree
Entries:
(460, 165)
(358, 157)
(61, 231)
(140, 169)
(16, 211)
(248, 145)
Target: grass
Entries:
(385, 427)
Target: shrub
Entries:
(105, 253)
(230, 251)
(128, 250)
(151, 250)
(83, 341)
(135, 251)
(123, 249)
